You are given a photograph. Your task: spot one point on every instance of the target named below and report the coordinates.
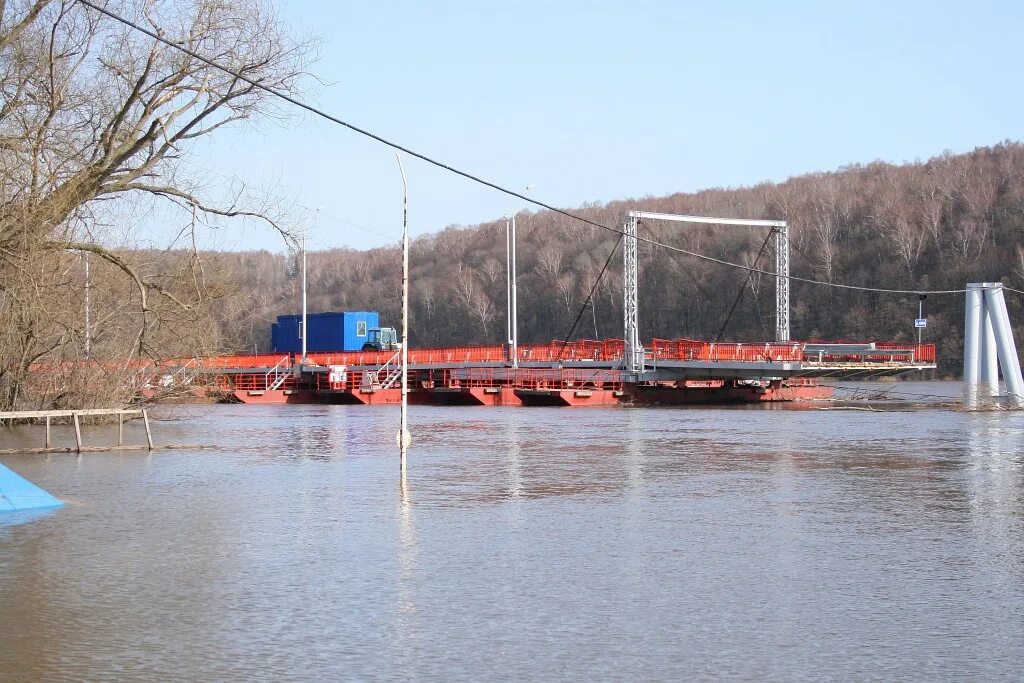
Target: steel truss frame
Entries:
(634, 357)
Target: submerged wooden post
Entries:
(78, 433)
(149, 434)
(120, 428)
(47, 431)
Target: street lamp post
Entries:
(510, 274)
(508, 288)
(920, 315)
(88, 306)
(515, 320)
(305, 329)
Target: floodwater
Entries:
(526, 544)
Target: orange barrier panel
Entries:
(264, 360)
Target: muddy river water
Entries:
(525, 544)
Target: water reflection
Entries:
(513, 428)
(993, 477)
(13, 519)
(635, 446)
(406, 606)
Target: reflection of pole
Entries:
(403, 431)
(88, 325)
(515, 321)
(305, 331)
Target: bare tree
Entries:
(549, 263)
(493, 272)
(482, 308)
(566, 291)
(465, 285)
(95, 111)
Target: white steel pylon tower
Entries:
(781, 282)
(634, 359)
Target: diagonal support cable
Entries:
(743, 287)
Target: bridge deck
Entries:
(579, 372)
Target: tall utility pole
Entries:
(508, 287)
(88, 322)
(920, 314)
(510, 273)
(403, 432)
(515, 321)
(305, 331)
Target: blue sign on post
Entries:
(921, 322)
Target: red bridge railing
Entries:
(607, 350)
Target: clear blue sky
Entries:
(595, 101)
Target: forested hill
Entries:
(931, 225)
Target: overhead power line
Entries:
(469, 176)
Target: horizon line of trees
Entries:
(930, 225)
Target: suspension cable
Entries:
(743, 287)
(583, 308)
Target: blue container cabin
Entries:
(333, 331)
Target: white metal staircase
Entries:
(278, 374)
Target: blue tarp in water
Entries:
(18, 493)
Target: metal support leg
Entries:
(972, 344)
(989, 385)
(782, 283)
(634, 360)
(1007, 349)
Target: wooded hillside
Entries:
(931, 225)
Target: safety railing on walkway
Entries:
(874, 352)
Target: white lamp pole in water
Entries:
(404, 438)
